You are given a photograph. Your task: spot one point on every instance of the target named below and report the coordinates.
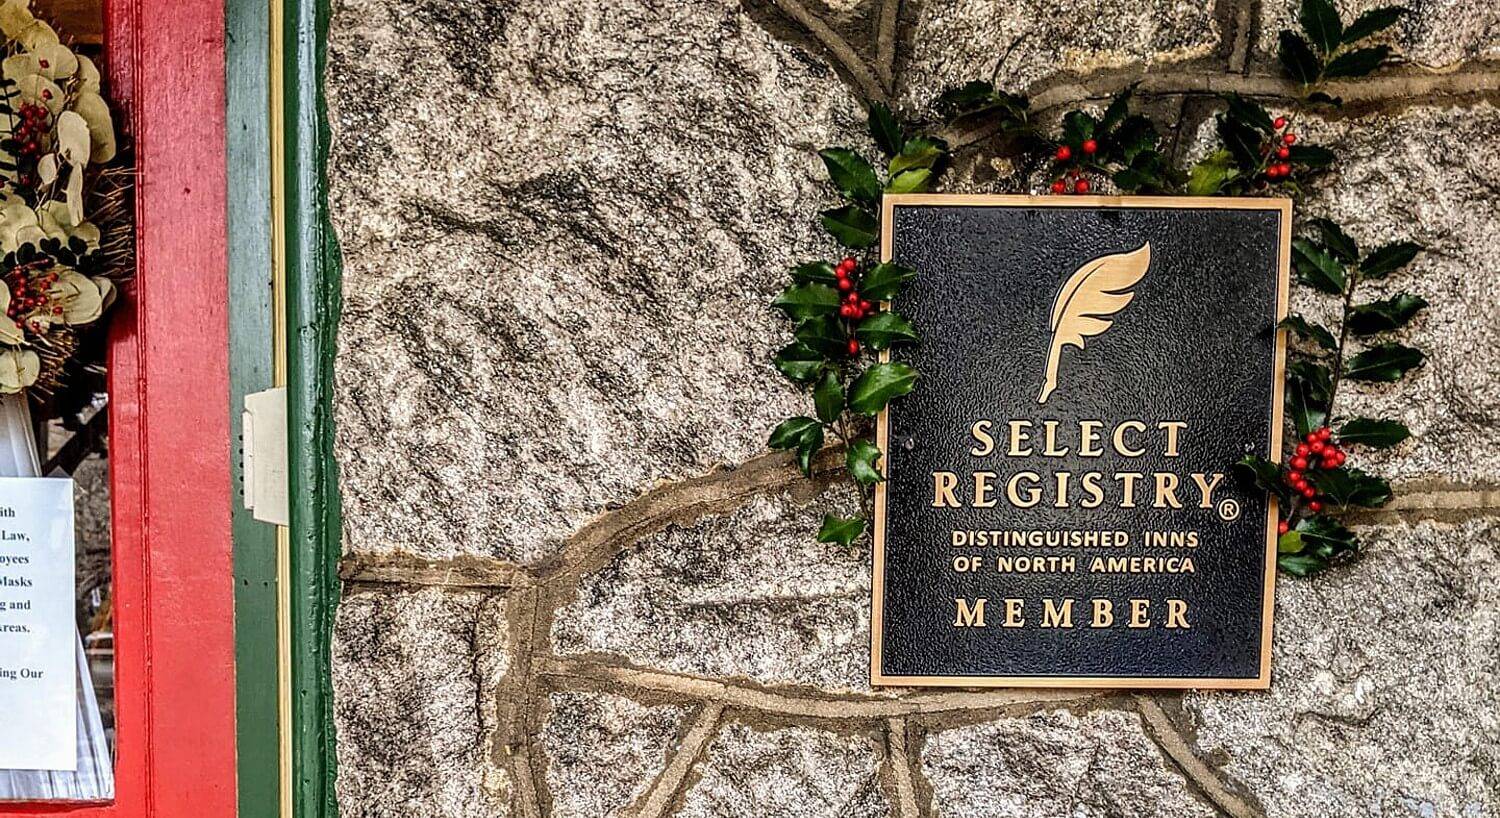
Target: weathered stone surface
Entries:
(954, 42)
(750, 594)
(406, 681)
(562, 223)
(1415, 175)
(793, 772)
(604, 750)
(1053, 764)
(1386, 691)
(1437, 34)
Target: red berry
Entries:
(1315, 506)
(864, 306)
(848, 262)
(1064, 153)
(1059, 187)
(852, 298)
(1279, 123)
(1286, 169)
(1338, 459)
(1282, 153)
(1309, 492)
(1082, 185)
(846, 311)
(1310, 437)
(1319, 447)
(1294, 475)
(1302, 450)
(1283, 527)
(1324, 433)
(1299, 463)
(845, 284)
(1290, 139)
(1090, 146)
(853, 347)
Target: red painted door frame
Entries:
(169, 426)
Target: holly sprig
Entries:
(1314, 482)
(842, 315)
(1328, 49)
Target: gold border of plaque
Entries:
(1263, 679)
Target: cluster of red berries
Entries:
(854, 308)
(1316, 451)
(1281, 146)
(1073, 181)
(28, 135)
(30, 294)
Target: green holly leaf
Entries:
(861, 457)
(879, 385)
(1300, 566)
(1321, 23)
(1373, 21)
(1251, 113)
(909, 181)
(798, 362)
(790, 433)
(1243, 142)
(1380, 434)
(885, 329)
(1308, 385)
(807, 449)
(1336, 240)
(1290, 543)
(823, 334)
(1318, 268)
(1310, 332)
(919, 152)
(883, 128)
(1386, 314)
(814, 272)
(967, 97)
(885, 280)
(1351, 487)
(1388, 259)
(1118, 108)
(1311, 157)
(851, 174)
(1077, 126)
(1358, 62)
(1323, 537)
(828, 397)
(852, 225)
(1210, 174)
(1257, 472)
(841, 530)
(807, 300)
(1298, 59)
(1385, 363)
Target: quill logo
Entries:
(1098, 290)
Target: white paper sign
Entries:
(37, 632)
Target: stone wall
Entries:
(577, 585)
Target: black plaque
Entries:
(1067, 344)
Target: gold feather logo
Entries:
(1085, 303)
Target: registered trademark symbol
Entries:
(1229, 509)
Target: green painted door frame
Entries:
(284, 307)
(312, 309)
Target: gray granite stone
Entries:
(406, 681)
(954, 42)
(562, 224)
(604, 750)
(792, 772)
(1416, 175)
(750, 594)
(1385, 698)
(1051, 764)
(1438, 34)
